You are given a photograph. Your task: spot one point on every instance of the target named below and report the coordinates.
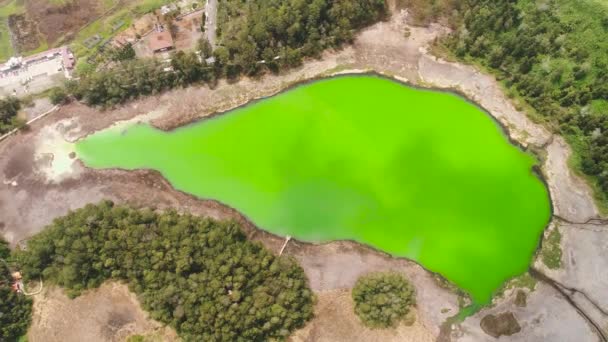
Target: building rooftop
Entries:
(160, 41)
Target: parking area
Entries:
(23, 76)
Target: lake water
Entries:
(415, 173)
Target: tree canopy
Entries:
(9, 107)
(383, 299)
(15, 309)
(281, 32)
(553, 55)
(200, 276)
(254, 36)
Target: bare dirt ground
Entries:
(111, 313)
(140, 27)
(188, 31)
(337, 306)
(40, 181)
(546, 317)
(57, 21)
(24, 32)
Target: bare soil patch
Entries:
(110, 313)
(57, 21)
(336, 321)
(187, 31)
(140, 27)
(24, 31)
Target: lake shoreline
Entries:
(382, 48)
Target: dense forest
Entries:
(382, 300)
(551, 53)
(200, 276)
(255, 36)
(140, 77)
(15, 309)
(278, 33)
(9, 107)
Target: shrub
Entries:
(9, 108)
(58, 95)
(383, 299)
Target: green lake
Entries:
(419, 174)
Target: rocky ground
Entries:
(42, 180)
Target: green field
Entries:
(6, 9)
(415, 173)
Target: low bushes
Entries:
(383, 299)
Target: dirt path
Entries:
(42, 181)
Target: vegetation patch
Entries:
(280, 33)
(524, 281)
(9, 108)
(25, 32)
(15, 309)
(382, 300)
(551, 253)
(200, 276)
(259, 37)
(6, 10)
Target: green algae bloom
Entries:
(419, 174)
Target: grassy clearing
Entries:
(6, 9)
(551, 253)
(102, 27)
(145, 6)
(6, 48)
(42, 47)
(524, 281)
(575, 164)
(59, 2)
(11, 7)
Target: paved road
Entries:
(211, 21)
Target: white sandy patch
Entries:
(350, 71)
(140, 119)
(54, 144)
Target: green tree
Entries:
(205, 48)
(200, 276)
(15, 309)
(298, 28)
(9, 108)
(383, 299)
(552, 55)
(123, 53)
(58, 95)
(253, 37)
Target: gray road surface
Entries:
(211, 21)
